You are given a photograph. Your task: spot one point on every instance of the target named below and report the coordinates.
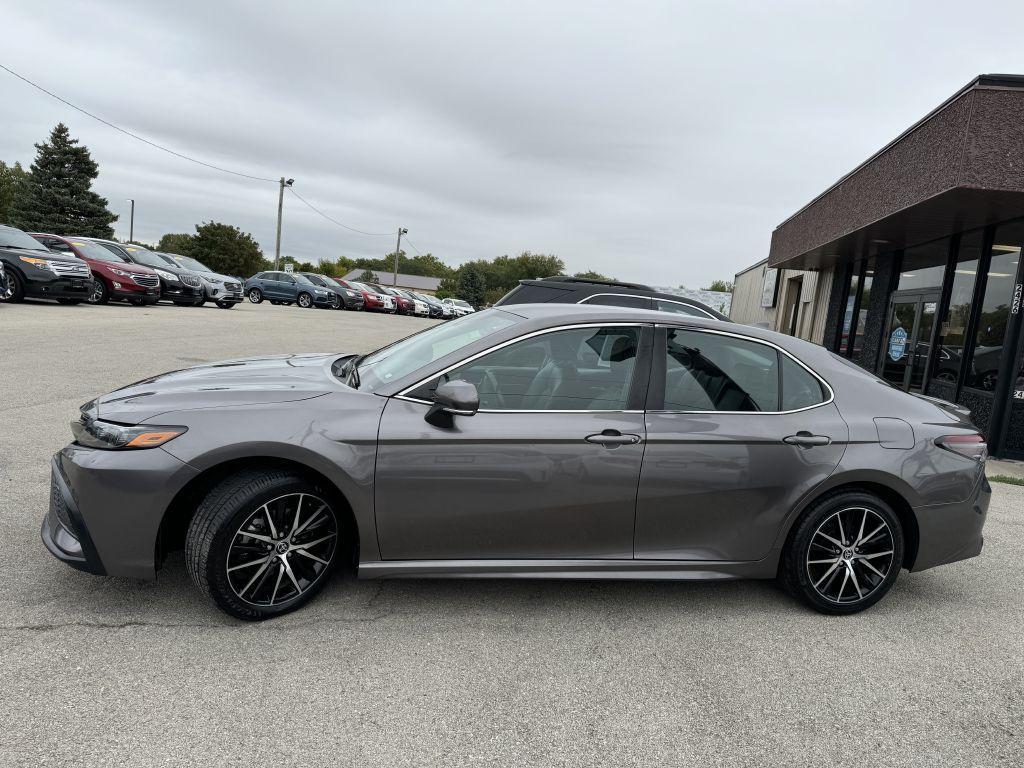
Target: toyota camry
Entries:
(551, 441)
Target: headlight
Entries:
(351, 293)
(120, 272)
(168, 276)
(94, 433)
(37, 263)
(320, 291)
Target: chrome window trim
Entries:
(403, 394)
(798, 361)
(586, 300)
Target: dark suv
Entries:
(579, 290)
(31, 269)
(347, 297)
(288, 288)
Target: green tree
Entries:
(592, 275)
(471, 285)
(719, 285)
(58, 194)
(226, 249)
(367, 276)
(175, 243)
(12, 181)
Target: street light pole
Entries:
(131, 221)
(398, 249)
(280, 207)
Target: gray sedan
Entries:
(552, 441)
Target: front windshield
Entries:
(299, 278)
(189, 263)
(359, 286)
(92, 250)
(410, 354)
(15, 238)
(142, 256)
(460, 303)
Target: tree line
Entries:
(55, 195)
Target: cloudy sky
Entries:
(654, 141)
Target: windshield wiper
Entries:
(351, 371)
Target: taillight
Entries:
(970, 446)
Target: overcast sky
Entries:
(657, 142)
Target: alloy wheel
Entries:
(304, 301)
(98, 290)
(255, 296)
(282, 549)
(850, 555)
(7, 289)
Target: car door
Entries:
(738, 432)
(287, 286)
(547, 468)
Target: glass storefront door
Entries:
(908, 339)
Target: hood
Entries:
(125, 266)
(249, 381)
(215, 277)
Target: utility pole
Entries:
(280, 206)
(398, 249)
(131, 221)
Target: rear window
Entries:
(532, 293)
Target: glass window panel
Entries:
(710, 372)
(995, 309)
(953, 329)
(584, 369)
(924, 266)
(851, 303)
(799, 388)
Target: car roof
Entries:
(586, 287)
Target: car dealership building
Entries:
(914, 261)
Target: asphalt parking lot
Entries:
(105, 672)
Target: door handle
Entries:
(807, 440)
(612, 437)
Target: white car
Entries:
(458, 307)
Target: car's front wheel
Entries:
(226, 304)
(263, 543)
(99, 293)
(844, 554)
(255, 295)
(305, 300)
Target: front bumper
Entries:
(180, 292)
(222, 292)
(951, 532)
(43, 284)
(106, 508)
(129, 291)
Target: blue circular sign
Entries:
(898, 344)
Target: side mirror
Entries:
(453, 398)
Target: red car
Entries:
(114, 277)
(404, 306)
(376, 302)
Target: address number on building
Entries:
(1018, 394)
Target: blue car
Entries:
(289, 288)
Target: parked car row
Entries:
(311, 289)
(75, 269)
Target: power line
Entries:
(133, 135)
(409, 242)
(335, 221)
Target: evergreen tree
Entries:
(471, 285)
(57, 195)
(175, 243)
(12, 180)
(367, 277)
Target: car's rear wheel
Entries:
(845, 553)
(255, 295)
(305, 300)
(263, 543)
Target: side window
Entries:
(260, 276)
(581, 369)
(284, 277)
(619, 300)
(799, 388)
(712, 372)
(679, 308)
(57, 245)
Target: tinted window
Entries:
(315, 279)
(619, 300)
(799, 388)
(15, 238)
(679, 308)
(583, 369)
(98, 251)
(711, 372)
(532, 294)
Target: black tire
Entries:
(100, 294)
(809, 574)
(304, 300)
(275, 303)
(12, 290)
(255, 295)
(69, 302)
(219, 520)
(226, 305)
(198, 302)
